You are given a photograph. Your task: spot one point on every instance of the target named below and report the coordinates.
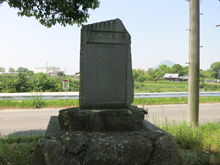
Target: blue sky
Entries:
(157, 28)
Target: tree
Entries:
(2, 69)
(159, 73)
(185, 70)
(210, 74)
(177, 68)
(215, 67)
(163, 67)
(11, 69)
(135, 74)
(149, 78)
(21, 69)
(141, 78)
(201, 73)
(30, 73)
(141, 71)
(150, 71)
(50, 12)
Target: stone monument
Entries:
(106, 80)
(105, 129)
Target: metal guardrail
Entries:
(174, 94)
(75, 95)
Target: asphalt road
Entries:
(23, 121)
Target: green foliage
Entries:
(141, 78)
(21, 69)
(37, 101)
(8, 83)
(201, 82)
(150, 71)
(135, 74)
(209, 74)
(157, 74)
(49, 13)
(198, 145)
(177, 68)
(185, 70)
(216, 68)
(30, 73)
(35, 82)
(2, 69)
(17, 150)
(11, 69)
(149, 77)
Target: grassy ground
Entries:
(17, 150)
(37, 103)
(171, 86)
(25, 104)
(173, 100)
(160, 86)
(199, 146)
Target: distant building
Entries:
(46, 69)
(55, 73)
(175, 77)
(183, 78)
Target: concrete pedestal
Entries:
(102, 120)
(142, 143)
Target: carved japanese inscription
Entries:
(106, 80)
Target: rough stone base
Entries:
(102, 120)
(147, 146)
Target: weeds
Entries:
(18, 150)
(200, 145)
(37, 101)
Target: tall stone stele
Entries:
(106, 80)
(105, 129)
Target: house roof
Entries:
(184, 77)
(171, 75)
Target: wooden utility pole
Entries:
(194, 60)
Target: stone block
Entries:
(102, 120)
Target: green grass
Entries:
(199, 146)
(18, 150)
(173, 100)
(170, 86)
(27, 104)
(160, 86)
(39, 103)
